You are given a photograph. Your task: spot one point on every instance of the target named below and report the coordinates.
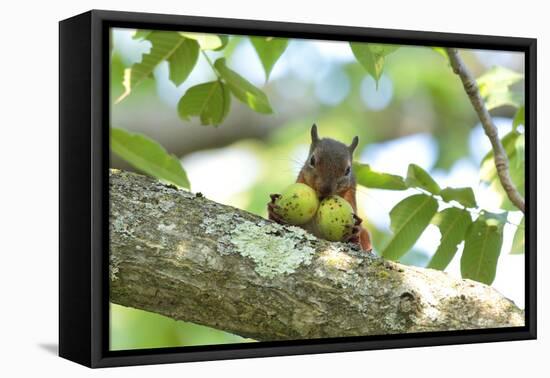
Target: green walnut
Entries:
(297, 204)
(335, 219)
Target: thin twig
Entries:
(211, 64)
(501, 159)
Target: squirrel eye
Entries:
(312, 161)
(348, 171)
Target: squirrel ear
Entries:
(314, 135)
(353, 144)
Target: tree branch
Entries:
(183, 256)
(501, 159)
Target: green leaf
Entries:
(520, 151)
(494, 87)
(441, 51)
(464, 196)
(517, 174)
(164, 44)
(453, 224)
(409, 218)
(207, 41)
(269, 50)
(111, 43)
(488, 170)
(149, 157)
(209, 101)
(519, 118)
(242, 89)
(225, 40)
(372, 56)
(518, 245)
(382, 49)
(514, 145)
(482, 248)
(496, 78)
(419, 178)
(183, 60)
(371, 179)
(141, 34)
(496, 99)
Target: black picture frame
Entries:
(83, 181)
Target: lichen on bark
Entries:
(273, 249)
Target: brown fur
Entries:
(327, 176)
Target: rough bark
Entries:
(501, 159)
(181, 255)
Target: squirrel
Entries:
(328, 171)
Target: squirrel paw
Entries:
(271, 207)
(354, 236)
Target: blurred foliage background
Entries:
(408, 108)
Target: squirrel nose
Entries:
(325, 191)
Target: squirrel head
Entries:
(328, 169)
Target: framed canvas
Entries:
(236, 188)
